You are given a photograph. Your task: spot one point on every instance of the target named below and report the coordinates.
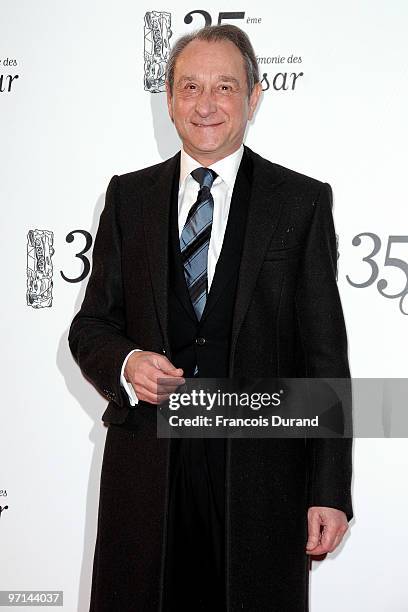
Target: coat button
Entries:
(164, 350)
(200, 340)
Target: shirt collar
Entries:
(226, 168)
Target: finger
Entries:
(169, 386)
(313, 531)
(318, 550)
(147, 396)
(152, 371)
(327, 539)
(166, 380)
(145, 385)
(339, 536)
(323, 549)
(167, 367)
(336, 542)
(169, 383)
(156, 382)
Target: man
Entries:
(214, 263)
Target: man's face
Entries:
(209, 104)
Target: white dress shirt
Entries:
(221, 190)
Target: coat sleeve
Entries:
(322, 332)
(97, 336)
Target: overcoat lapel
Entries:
(156, 202)
(264, 210)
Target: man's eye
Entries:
(225, 87)
(190, 86)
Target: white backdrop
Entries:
(77, 114)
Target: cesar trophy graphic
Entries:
(39, 268)
(157, 34)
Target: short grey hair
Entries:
(214, 34)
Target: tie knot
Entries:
(204, 176)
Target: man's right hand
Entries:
(142, 370)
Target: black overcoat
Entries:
(287, 321)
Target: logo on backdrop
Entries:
(7, 79)
(40, 249)
(157, 34)
(39, 268)
(373, 268)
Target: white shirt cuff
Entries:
(133, 399)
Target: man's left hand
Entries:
(326, 528)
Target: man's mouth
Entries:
(202, 125)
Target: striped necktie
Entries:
(195, 239)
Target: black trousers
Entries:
(195, 561)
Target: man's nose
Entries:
(206, 103)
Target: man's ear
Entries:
(254, 99)
(169, 100)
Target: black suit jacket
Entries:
(287, 321)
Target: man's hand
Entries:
(326, 527)
(142, 370)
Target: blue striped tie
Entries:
(195, 239)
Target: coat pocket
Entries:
(277, 252)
